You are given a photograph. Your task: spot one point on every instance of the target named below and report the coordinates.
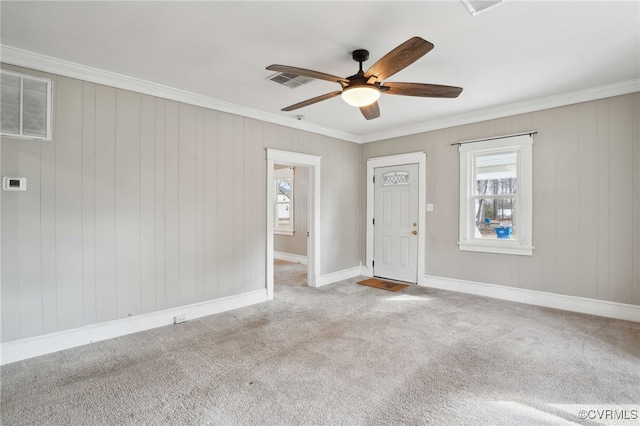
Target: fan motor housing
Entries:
(360, 55)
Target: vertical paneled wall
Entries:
(142, 204)
(586, 229)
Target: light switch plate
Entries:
(429, 207)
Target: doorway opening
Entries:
(312, 164)
(291, 227)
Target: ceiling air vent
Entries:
(477, 6)
(290, 80)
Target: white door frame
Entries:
(419, 158)
(275, 156)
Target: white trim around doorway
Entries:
(419, 158)
(275, 156)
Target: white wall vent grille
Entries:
(477, 6)
(25, 110)
(292, 81)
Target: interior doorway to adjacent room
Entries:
(312, 163)
(291, 224)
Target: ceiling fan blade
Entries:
(420, 89)
(307, 73)
(371, 111)
(312, 101)
(399, 58)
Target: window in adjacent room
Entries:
(284, 201)
(496, 197)
(26, 106)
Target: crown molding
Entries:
(554, 101)
(48, 64)
(27, 59)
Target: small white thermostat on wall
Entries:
(12, 183)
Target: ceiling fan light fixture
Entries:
(360, 96)
(363, 89)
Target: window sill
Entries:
(26, 138)
(508, 247)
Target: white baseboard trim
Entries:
(18, 350)
(290, 257)
(334, 277)
(366, 271)
(602, 308)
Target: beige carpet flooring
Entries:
(343, 354)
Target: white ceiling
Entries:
(517, 56)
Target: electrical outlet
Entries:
(179, 318)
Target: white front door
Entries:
(396, 233)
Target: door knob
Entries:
(414, 232)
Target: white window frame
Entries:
(49, 83)
(522, 244)
(284, 173)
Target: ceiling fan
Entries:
(363, 89)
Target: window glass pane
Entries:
(34, 108)
(283, 190)
(10, 107)
(496, 173)
(496, 218)
(396, 178)
(283, 215)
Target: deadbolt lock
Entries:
(415, 224)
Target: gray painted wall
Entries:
(297, 243)
(142, 204)
(586, 223)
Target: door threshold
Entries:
(394, 280)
